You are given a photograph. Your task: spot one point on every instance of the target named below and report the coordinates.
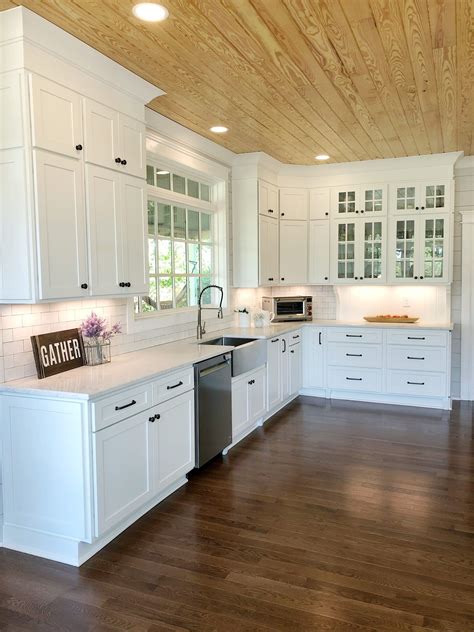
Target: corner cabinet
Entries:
(84, 223)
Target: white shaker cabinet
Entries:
(285, 367)
(268, 251)
(61, 225)
(294, 204)
(293, 252)
(273, 373)
(249, 402)
(296, 364)
(134, 249)
(56, 117)
(319, 252)
(314, 371)
(267, 199)
(319, 203)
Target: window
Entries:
(181, 243)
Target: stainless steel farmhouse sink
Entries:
(248, 353)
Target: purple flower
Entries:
(95, 326)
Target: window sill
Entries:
(168, 318)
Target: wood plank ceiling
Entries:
(356, 79)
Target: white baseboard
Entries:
(443, 403)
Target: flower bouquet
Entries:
(97, 336)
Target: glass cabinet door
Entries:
(373, 199)
(435, 197)
(346, 202)
(373, 246)
(434, 234)
(345, 250)
(405, 237)
(405, 199)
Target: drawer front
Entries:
(416, 383)
(354, 334)
(417, 358)
(363, 355)
(121, 405)
(355, 379)
(424, 338)
(172, 385)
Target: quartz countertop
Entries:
(130, 368)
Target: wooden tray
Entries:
(384, 319)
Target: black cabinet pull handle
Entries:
(79, 147)
(151, 419)
(118, 160)
(354, 355)
(275, 339)
(123, 162)
(180, 383)
(414, 358)
(416, 338)
(320, 338)
(284, 343)
(353, 335)
(157, 417)
(295, 337)
(416, 383)
(354, 379)
(132, 403)
(84, 286)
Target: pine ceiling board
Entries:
(7, 4)
(269, 23)
(465, 75)
(416, 23)
(365, 102)
(237, 35)
(390, 27)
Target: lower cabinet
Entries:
(273, 372)
(284, 368)
(296, 368)
(249, 401)
(136, 459)
(314, 340)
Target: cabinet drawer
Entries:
(172, 385)
(294, 338)
(363, 355)
(417, 383)
(355, 379)
(417, 358)
(418, 338)
(354, 334)
(121, 405)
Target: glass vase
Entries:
(97, 351)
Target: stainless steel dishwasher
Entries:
(213, 407)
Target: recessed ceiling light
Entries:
(150, 12)
(322, 157)
(219, 129)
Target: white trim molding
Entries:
(467, 309)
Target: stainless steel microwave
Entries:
(289, 308)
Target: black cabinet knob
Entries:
(291, 351)
(79, 147)
(357, 211)
(270, 210)
(325, 278)
(362, 211)
(282, 214)
(417, 208)
(270, 278)
(157, 417)
(421, 277)
(282, 278)
(84, 286)
(422, 208)
(128, 284)
(124, 162)
(121, 284)
(118, 160)
(151, 419)
(326, 213)
(416, 277)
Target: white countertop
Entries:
(130, 368)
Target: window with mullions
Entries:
(164, 179)
(181, 257)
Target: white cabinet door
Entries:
(267, 199)
(240, 407)
(285, 367)
(101, 137)
(132, 145)
(273, 372)
(294, 204)
(104, 229)
(268, 238)
(257, 394)
(134, 272)
(314, 340)
(123, 455)
(11, 106)
(432, 196)
(319, 203)
(319, 252)
(173, 440)
(296, 369)
(56, 119)
(293, 252)
(61, 226)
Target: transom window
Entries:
(181, 243)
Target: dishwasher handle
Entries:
(213, 369)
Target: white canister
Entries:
(244, 319)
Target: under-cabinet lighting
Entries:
(150, 12)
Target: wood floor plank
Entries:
(333, 517)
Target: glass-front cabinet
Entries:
(419, 249)
(363, 199)
(420, 197)
(359, 251)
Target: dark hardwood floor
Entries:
(337, 517)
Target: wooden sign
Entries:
(58, 351)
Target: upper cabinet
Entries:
(268, 250)
(421, 197)
(267, 199)
(294, 204)
(319, 203)
(56, 117)
(358, 250)
(360, 199)
(293, 252)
